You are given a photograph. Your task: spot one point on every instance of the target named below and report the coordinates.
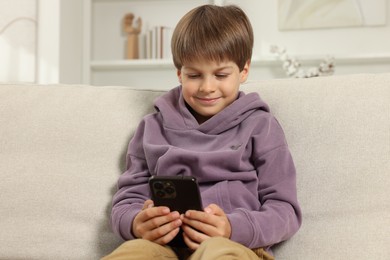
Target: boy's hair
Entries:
(214, 33)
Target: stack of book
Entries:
(156, 43)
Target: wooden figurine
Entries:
(132, 35)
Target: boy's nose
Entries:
(207, 86)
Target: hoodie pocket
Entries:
(217, 194)
(230, 195)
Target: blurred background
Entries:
(85, 42)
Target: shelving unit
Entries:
(104, 60)
(104, 43)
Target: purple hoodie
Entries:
(239, 157)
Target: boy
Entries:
(229, 141)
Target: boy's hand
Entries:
(201, 225)
(156, 224)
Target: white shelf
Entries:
(256, 62)
(160, 64)
(131, 64)
(366, 59)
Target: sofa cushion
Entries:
(338, 130)
(62, 149)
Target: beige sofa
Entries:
(62, 149)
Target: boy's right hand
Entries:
(156, 224)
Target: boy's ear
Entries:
(178, 72)
(245, 71)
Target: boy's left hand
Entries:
(201, 225)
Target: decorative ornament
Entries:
(132, 32)
(293, 67)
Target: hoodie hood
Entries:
(176, 115)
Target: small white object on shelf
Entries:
(293, 67)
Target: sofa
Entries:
(62, 149)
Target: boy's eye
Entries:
(193, 76)
(221, 76)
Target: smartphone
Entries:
(178, 193)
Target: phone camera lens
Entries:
(169, 190)
(158, 185)
(160, 194)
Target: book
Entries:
(157, 44)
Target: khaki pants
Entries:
(211, 249)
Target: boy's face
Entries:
(208, 87)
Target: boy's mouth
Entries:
(207, 101)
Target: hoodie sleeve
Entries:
(279, 216)
(133, 188)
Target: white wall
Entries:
(40, 41)
(48, 41)
(71, 44)
(60, 41)
(355, 49)
(353, 41)
(18, 41)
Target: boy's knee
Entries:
(216, 241)
(137, 244)
(224, 248)
(216, 244)
(140, 249)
